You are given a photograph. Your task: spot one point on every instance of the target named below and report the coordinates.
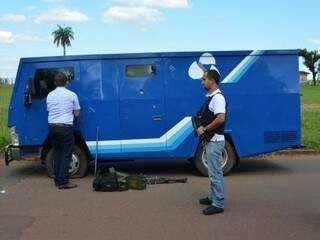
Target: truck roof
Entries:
(153, 55)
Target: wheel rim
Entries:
(74, 164)
(224, 158)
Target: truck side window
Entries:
(140, 70)
(43, 81)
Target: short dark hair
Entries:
(60, 79)
(213, 75)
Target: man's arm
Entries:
(217, 122)
(76, 106)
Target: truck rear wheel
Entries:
(78, 166)
(229, 159)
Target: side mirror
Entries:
(27, 94)
(153, 70)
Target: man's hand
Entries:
(201, 130)
(76, 113)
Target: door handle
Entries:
(157, 118)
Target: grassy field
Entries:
(5, 93)
(310, 115)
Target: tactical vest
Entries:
(205, 116)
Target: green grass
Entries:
(310, 100)
(5, 93)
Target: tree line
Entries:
(6, 80)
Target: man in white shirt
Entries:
(211, 132)
(62, 106)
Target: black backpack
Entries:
(106, 181)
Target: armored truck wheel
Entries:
(78, 166)
(229, 159)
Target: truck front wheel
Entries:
(228, 155)
(78, 165)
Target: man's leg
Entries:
(208, 149)
(217, 181)
(56, 153)
(215, 171)
(67, 142)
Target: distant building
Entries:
(303, 76)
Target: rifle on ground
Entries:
(161, 180)
(140, 181)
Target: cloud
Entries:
(157, 3)
(30, 8)
(140, 11)
(28, 37)
(12, 18)
(61, 15)
(6, 37)
(140, 15)
(10, 38)
(314, 41)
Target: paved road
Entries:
(274, 198)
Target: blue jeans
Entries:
(62, 141)
(213, 154)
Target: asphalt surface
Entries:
(273, 198)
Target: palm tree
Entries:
(63, 36)
(310, 60)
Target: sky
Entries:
(126, 26)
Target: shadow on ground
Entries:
(149, 167)
(260, 166)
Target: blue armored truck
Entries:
(139, 106)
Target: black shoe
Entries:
(69, 185)
(212, 210)
(205, 201)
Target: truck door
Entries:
(142, 114)
(41, 82)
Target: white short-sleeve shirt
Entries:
(217, 105)
(61, 103)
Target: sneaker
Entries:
(212, 210)
(205, 201)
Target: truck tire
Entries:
(78, 166)
(229, 159)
